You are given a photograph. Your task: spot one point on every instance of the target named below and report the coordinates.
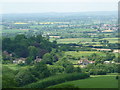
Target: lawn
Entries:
(103, 81)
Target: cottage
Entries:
(85, 62)
(19, 60)
(7, 54)
(38, 59)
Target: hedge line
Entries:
(57, 79)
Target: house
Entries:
(108, 62)
(38, 59)
(7, 54)
(85, 62)
(19, 60)
(116, 51)
(55, 36)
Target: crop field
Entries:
(84, 40)
(83, 53)
(100, 81)
(74, 40)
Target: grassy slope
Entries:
(105, 81)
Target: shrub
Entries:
(64, 86)
(8, 76)
(24, 77)
(98, 72)
(117, 77)
(57, 79)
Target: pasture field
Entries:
(84, 40)
(15, 66)
(111, 40)
(98, 81)
(74, 40)
(13, 31)
(83, 53)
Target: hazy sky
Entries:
(39, 6)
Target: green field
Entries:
(83, 53)
(102, 81)
(111, 40)
(74, 40)
(84, 40)
(13, 31)
(15, 66)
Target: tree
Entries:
(33, 51)
(8, 78)
(110, 56)
(21, 51)
(29, 60)
(18, 38)
(63, 62)
(6, 42)
(24, 77)
(78, 70)
(69, 69)
(40, 70)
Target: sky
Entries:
(41, 6)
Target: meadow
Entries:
(83, 53)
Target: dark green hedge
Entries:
(57, 79)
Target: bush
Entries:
(24, 77)
(117, 77)
(8, 76)
(97, 72)
(57, 79)
(64, 86)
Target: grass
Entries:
(100, 81)
(13, 31)
(15, 66)
(74, 40)
(111, 40)
(84, 40)
(83, 53)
